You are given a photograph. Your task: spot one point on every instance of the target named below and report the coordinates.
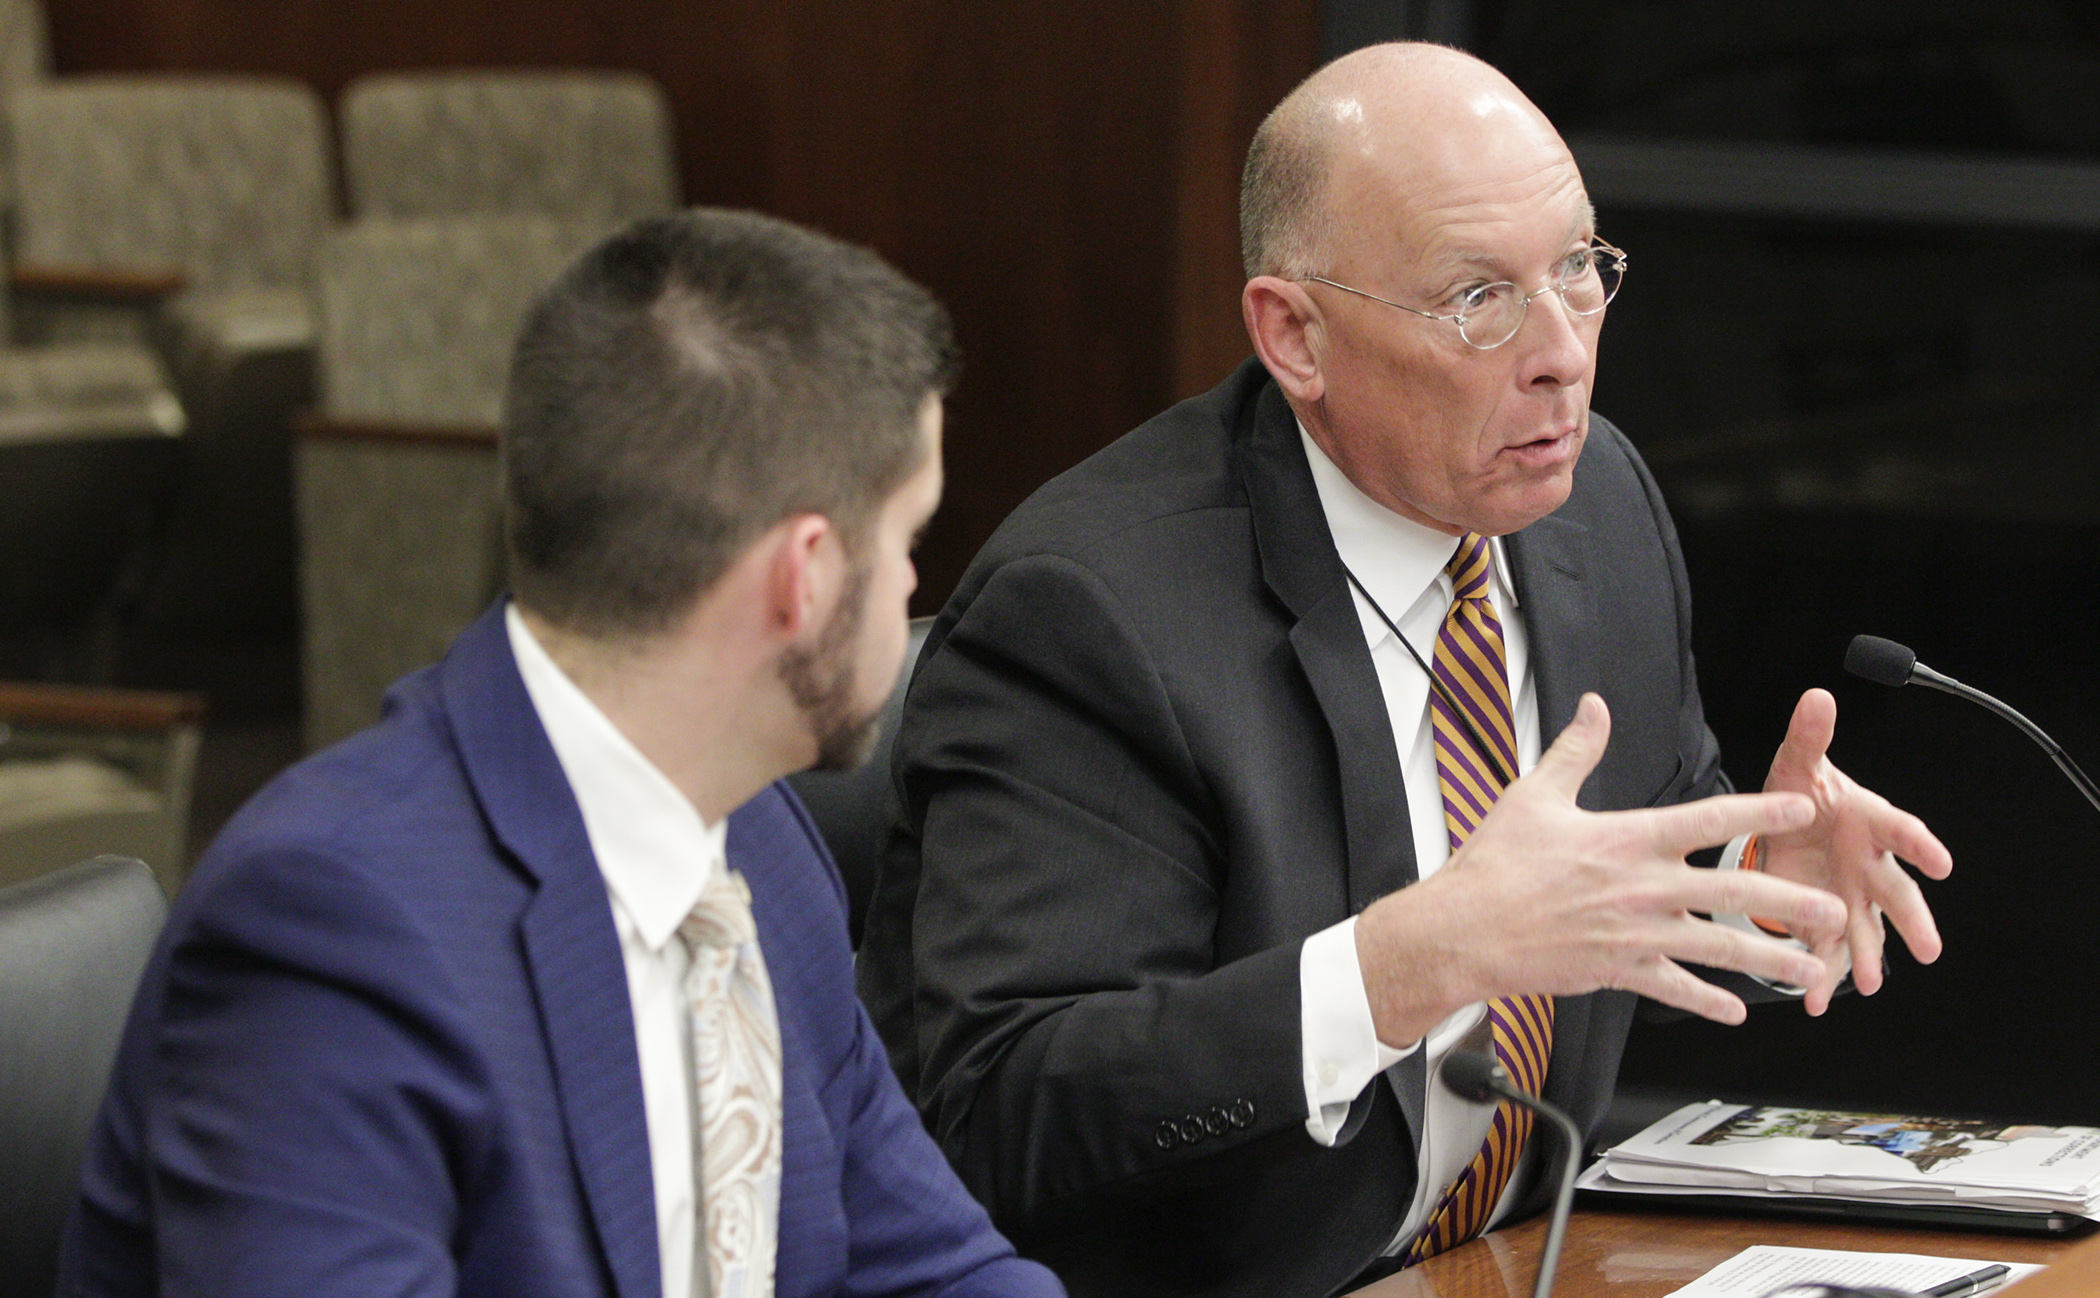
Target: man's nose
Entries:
(1556, 344)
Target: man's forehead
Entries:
(1424, 226)
(1458, 242)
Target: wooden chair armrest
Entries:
(97, 707)
(141, 288)
(315, 426)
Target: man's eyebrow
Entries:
(1471, 257)
(1450, 261)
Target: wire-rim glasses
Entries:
(1489, 315)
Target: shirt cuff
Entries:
(1342, 1052)
(1732, 859)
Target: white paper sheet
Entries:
(1760, 1269)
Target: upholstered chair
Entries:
(25, 56)
(560, 143)
(87, 769)
(397, 508)
(90, 445)
(185, 210)
(72, 947)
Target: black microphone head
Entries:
(1883, 662)
(1470, 1074)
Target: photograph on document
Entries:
(1768, 1150)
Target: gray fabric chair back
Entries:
(25, 56)
(418, 316)
(396, 494)
(224, 179)
(853, 808)
(25, 42)
(561, 143)
(72, 945)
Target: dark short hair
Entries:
(688, 384)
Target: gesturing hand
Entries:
(1547, 898)
(1850, 847)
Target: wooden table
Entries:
(1626, 1254)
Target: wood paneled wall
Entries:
(1063, 175)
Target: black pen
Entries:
(1962, 1286)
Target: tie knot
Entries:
(722, 916)
(1469, 567)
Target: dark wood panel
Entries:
(314, 426)
(1064, 176)
(96, 707)
(1237, 61)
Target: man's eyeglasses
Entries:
(1489, 315)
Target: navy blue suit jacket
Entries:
(385, 1047)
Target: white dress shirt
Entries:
(1402, 564)
(656, 855)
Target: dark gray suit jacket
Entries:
(1145, 755)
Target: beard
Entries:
(823, 682)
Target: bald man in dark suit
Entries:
(1196, 880)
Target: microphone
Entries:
(1476, 1075)
(1887, 663)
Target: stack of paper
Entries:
(1763, 1152)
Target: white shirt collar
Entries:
(1396, 558)
(654, 850)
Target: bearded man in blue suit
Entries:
(541, 986)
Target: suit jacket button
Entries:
(1191, 1129)
(1217, 1122)
(1242, 1115)
(1165, 1136)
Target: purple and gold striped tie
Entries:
(1472, 667)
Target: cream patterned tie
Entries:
(736, 1076)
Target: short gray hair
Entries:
(1282, 199)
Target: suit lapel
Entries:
(1550, 563)
(1301, 568)
(571, 947)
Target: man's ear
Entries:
(805, 571)
(1288, 333)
